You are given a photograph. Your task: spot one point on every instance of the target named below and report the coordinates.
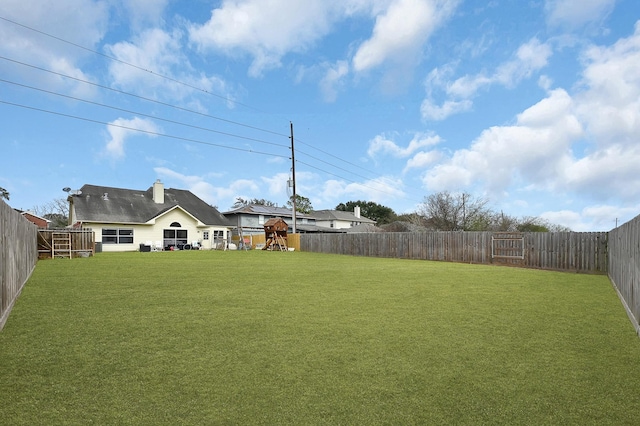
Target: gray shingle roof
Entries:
(258, 209)
(340, 215)
(134, 206)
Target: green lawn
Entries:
(300, 338)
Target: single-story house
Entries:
(337, 219)
(123, 219)
(41, 222)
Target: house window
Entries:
(205, 235)
(218, 234)
(174, 238)
(175, 225)
(117, 236)
(261, 219)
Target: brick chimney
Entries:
(158, 192)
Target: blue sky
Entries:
(533, 105)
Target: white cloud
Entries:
(530, 57)
(77, 21)
(153, 50)
(610, 103)
(432, 112)
(161, 53)
(585, 145)
(606, 173)
(401, 31)
(121, 129)
(536, 149)
(380, 190)
(144, 12)
(200, 186)
(422, 159)
(333, 80)
(574, 14)
(277, 184)
(381, 144)
(266, 30)
(599, 217)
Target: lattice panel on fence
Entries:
(507, 247)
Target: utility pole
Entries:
(293, 177)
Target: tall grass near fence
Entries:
(255, 337)
(18, 256)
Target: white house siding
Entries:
(337, 224)
(139, 232)
(153, 232)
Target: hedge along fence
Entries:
(18, 256)
(562, 251)
(624, 267)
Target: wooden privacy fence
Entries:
(564, 251)
(624, 267)
(66, 243)
(18, 257)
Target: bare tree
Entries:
(57, 211)
(504, 223)
(446, 211)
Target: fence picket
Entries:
(565, 251)
(18, 257)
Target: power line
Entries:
(141, 114)
(338, 158)
(102, 86)
(352, 181)
(149, 132)
(168, 78)
(164, 104)
(182, 109)
(332, 165)
(227, 99)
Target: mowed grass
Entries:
(300, 338)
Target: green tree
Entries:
(303, 204)
(4, 193)
(374, 211)
(536, 224)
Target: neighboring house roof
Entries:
(340, 215)
(363, 228)
(116, 205)
(259, 209)
(323, 229)
(33, 218)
